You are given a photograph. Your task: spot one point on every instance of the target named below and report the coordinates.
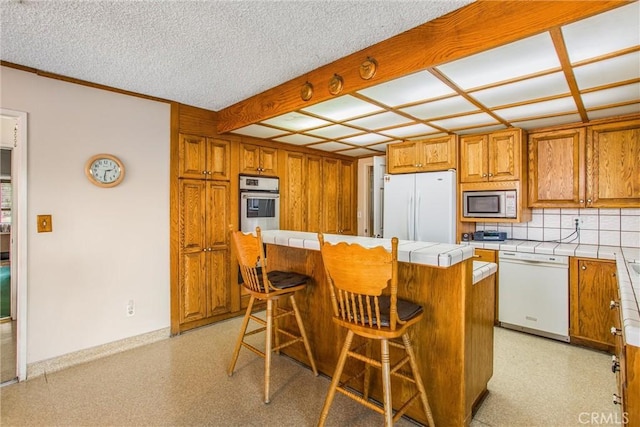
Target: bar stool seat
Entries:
(363, 286)
(268, 286)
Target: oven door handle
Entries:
(261, 196)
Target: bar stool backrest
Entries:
(250, 255)
(358, 277)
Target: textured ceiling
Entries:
(208, 54)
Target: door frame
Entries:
(19, 237)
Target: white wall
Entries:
(108, 246)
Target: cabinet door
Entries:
(268, 161)
(192, 232)
(217, 261)
(314, 200)
(557, 168)
(402, 157)
(218, 159)
(192, 156)
(330, 191)
(613, 151)
(505, 155)
(249, 158)
(473, 158)
(346, 202)
(593, 286)
(437, 154)
(293, 192)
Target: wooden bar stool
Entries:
(268, 286)
(364, 287)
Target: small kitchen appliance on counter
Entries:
(492, 236)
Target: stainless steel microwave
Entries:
(490, 204)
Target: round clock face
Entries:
(105, 170)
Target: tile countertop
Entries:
(426, 253)
(628, 280)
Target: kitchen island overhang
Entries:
(453, 341)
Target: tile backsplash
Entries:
(609, 227)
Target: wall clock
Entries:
(104, 170)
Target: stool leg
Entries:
(303, 333)
(418, 378)
(276, 333)
(243, 330)
(267, 350)
(367, 372)
(386, 382)
(336, 378)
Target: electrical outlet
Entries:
(131, 308)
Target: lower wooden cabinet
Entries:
(593, 286)
(489, 255)
(204, 289)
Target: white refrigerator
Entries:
(420, 206)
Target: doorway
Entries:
(13, 248)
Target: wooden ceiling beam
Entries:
(472, 29)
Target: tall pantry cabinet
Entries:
(203, 219)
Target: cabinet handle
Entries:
(615, 365)
(588, 200)
(614, 304)
(584, 267)
(581, 200)
(490, 174)
(484, 175)
(617, 400)
(616, 331)
(205, 249)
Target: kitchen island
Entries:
(454, 339)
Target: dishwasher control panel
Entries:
(527, 256)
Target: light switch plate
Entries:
(44, 224)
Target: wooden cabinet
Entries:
(427, 155)
(489, 255)
(314, 191)
(257, 159)
(593, 286)
(200, 157)
(498, 156)
(204, 289)
(613, 152)
(338, 196)
(293, 191)
(586, 167)
(557, 168)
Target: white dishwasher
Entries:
(533, 294)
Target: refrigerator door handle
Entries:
(410, 217)
(416, 221)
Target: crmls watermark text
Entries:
(600, 418)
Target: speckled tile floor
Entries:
(182, 381)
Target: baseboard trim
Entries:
(42, 367)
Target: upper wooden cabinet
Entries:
(613, 153)
(204, 158)
(257, 159)
(557, 168)
(585, 167)
(498, 156)
(422, 156)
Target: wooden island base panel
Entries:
(453, 341)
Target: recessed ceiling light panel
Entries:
(331, 146)
(480, 119)
(407, 131)
(538, 109)
(618, 69)
(440, 108)
(607, 32)
(615, 111)
(259, 131)
(343, 108)
(334, 131)
(366, 139)
(538, 87)
(517, 59)
(296, 122)
(379, 121)
(612, 96)
(417, 87)
(298, 139)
